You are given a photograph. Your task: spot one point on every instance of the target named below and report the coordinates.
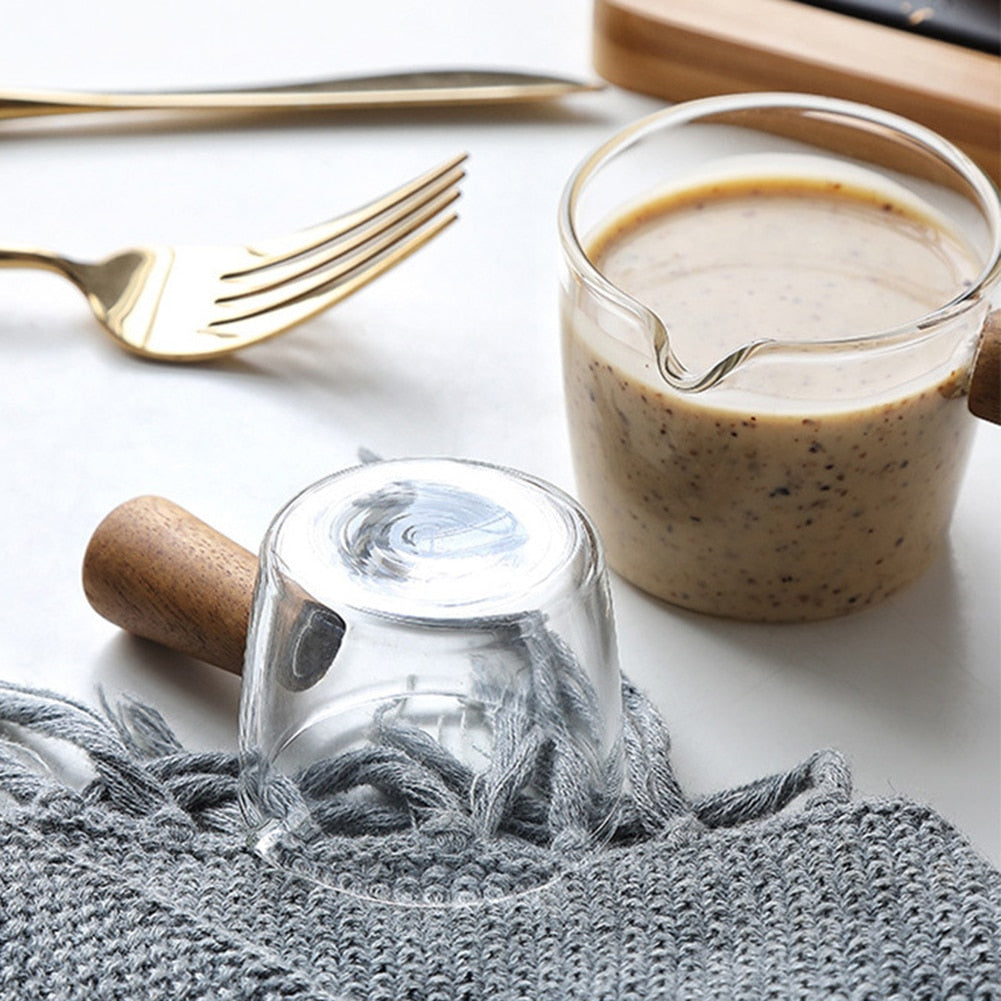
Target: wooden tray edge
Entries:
(684, 49)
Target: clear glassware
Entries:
(453, 607)
(698, 476)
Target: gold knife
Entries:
(412, 89)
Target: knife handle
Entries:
(157, 571)
(418, 88)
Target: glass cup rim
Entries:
(686, 112)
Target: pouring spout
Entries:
(679, 378)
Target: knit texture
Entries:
(141, 886)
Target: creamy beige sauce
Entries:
(781, 507)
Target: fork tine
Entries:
(261, 299)
(278, 249)
(280, 315)
(329, 257)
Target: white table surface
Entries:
(453, 353)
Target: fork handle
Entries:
(33, 257)
(428, 87)
(157, 571)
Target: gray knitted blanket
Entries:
(140, 886)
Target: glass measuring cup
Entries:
(432, 658)
(788, 478)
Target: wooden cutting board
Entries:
(683, 49)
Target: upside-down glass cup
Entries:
(792, 479)
(424, 632)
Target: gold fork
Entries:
(191, 303)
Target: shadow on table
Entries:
(908, 663)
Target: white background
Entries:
(453, 353)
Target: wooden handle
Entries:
(985, 382)
(159, 572)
